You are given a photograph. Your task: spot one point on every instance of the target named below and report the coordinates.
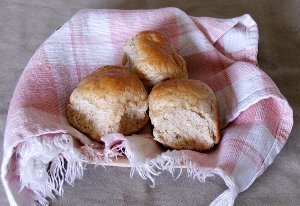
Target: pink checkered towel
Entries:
(255, 118)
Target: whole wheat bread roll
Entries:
(151, 57)
(108, 100)
(184, 114)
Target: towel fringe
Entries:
(171, 160)
(45, 174)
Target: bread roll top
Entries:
(151, 57)
(111, 83)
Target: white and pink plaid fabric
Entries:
(255, 118)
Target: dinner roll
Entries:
(108, 100)
(184, 114)
(151, 57)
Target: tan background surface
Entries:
(24, 25)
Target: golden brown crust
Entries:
(112, 82)
(108, 100)
(151, 57)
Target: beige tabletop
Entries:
(24, 25)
